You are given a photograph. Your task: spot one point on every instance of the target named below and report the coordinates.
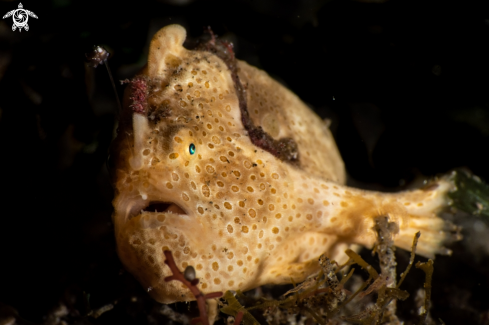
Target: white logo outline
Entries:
(20, 17)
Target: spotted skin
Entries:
(235, 212)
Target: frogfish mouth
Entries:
(230, 171)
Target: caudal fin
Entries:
(423, 209)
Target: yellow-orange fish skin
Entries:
(238, 214)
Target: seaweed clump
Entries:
(323, 298)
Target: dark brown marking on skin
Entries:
(168, 133)
(285, 149)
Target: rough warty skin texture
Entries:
(239, 214)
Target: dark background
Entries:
(405, 84)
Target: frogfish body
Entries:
(230, 171)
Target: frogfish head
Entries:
(189, 176)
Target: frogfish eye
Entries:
(191, 148)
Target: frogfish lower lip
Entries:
(155, 207)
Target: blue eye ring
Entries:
(191, 148)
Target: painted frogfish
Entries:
(230, 171)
